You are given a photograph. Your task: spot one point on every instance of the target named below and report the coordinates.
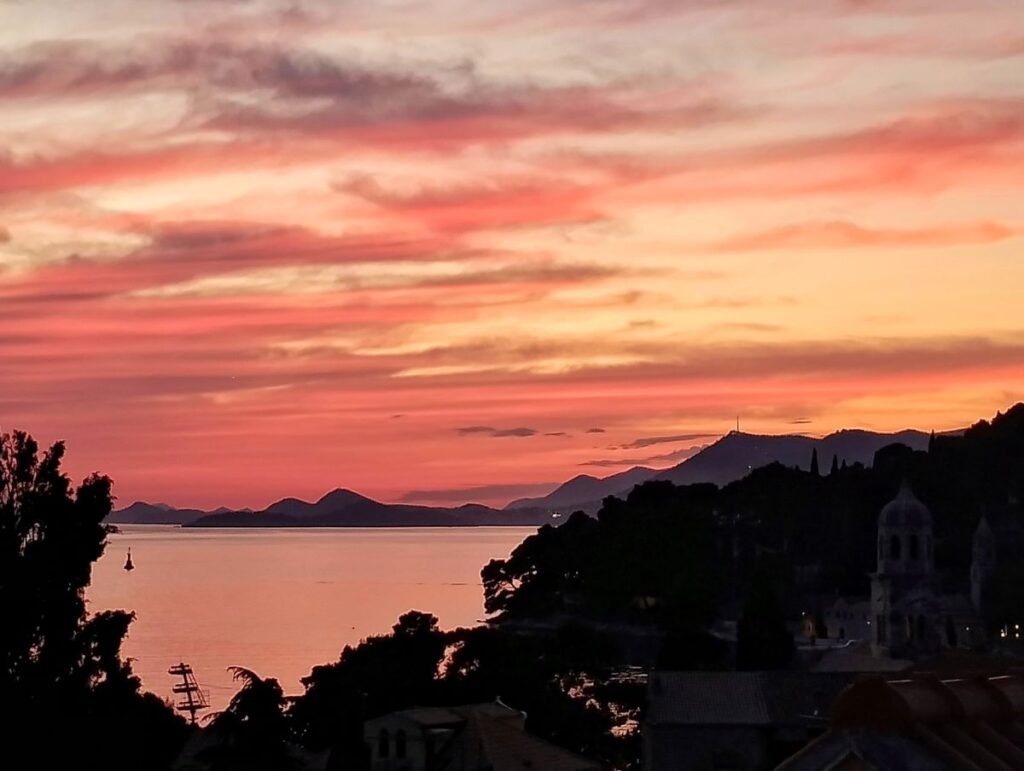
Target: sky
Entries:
(456, 250)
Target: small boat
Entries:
(128, 562)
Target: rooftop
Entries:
(488, 735)
(905, 510)
(742, 698)
(922, 723)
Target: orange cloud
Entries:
(847, 235)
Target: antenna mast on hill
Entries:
(737, 424)
(193, 697)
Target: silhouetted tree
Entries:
(763, 640)
(835, 465)
(652, 554)
(558, 680)
(814, 462)
(252, 733)
(382, 674)
(61, 668)
(561, 681)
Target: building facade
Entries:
(910, 616)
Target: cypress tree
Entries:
(835, 465)
(814, 463)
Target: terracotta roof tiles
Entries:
(965, 723)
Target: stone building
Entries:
(849, 618)
(910, 616)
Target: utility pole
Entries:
(194, 698)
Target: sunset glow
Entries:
(460, 250)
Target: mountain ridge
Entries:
(585, 487)
(337, 508)
(737, 453)
(726, 460)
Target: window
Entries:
(842, 633)
(894, 548)
(914, 547)
(400, 744)
(383, 743)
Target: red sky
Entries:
(466, 250)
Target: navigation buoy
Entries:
(128, 562)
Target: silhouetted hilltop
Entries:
(730, 458)
(586, 488)
(344, 508)
(697, 551)
(334, 501)
(737, 454)
(142, 513)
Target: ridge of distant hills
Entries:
(142, 513)
(584, 487)
(338, 508)
(730, 458)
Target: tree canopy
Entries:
(73, 694)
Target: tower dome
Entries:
(905, 511)
(905, 536)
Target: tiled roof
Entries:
(741, 698)
(955, 724)
(490, 736)
(492, 742)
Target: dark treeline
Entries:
(678, 556)
(562, 683)
(70, 700)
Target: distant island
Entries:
(729, 459)
(338, 508)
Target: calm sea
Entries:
(283, 600)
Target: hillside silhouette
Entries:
(584, 487)
(729, 459)
(689, 550)
(737, 454)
